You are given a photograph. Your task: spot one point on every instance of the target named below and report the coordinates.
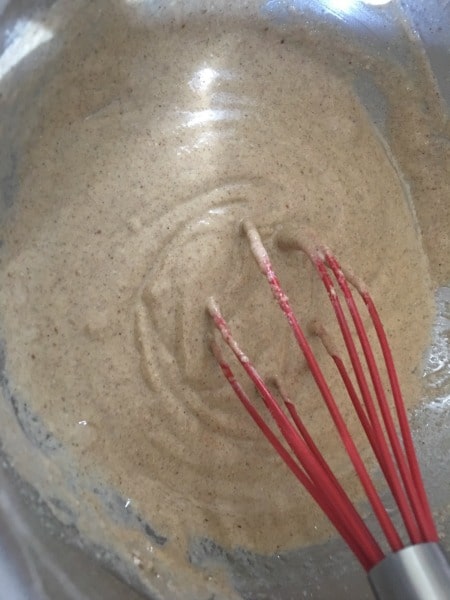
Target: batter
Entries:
(149, 151)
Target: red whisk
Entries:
(416, 569)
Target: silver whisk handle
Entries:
(419, 572)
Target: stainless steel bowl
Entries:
(38, 557)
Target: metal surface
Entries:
(420, 572)
(34, 563)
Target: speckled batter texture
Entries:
(153, 143)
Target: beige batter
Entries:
(150, 150)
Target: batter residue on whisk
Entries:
(149, 152)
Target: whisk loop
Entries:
(393, 450)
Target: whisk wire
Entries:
(408, 502)
(396, 456)
(416, 529)
(265, 265)
(385, 457)
(426, 516)
(327, 492)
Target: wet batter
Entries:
(127, 219)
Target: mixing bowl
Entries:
(42, 556)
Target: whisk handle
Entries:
(418, 572)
